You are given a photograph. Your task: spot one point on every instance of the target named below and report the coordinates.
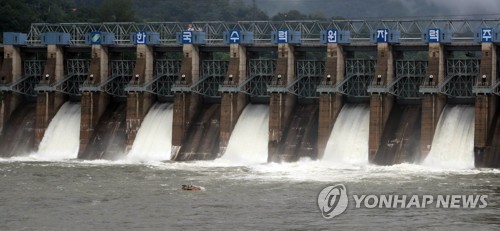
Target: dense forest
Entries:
(17, 15)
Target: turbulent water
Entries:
(348, 143)
(153, 140)
(62, 137)
(248, 142)
(102, 195)
(453, 143)
(249, 194)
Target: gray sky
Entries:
(459, 7)
(386, 8)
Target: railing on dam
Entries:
(411, 29)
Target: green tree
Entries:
(52, 11)
(195, 10)
(290, 15)
(116, 11)
(317, 16)
(16, 15)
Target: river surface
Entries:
(124, 195)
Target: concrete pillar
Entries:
(138, 103)
(49, 102)
(380, 104)
(432, 104)
(12, 65)
(330, 104)
(94, 103)
(485, 108)
(186, 104)
(485, 104)
(281, 105)
(232, 104)
(10, 72)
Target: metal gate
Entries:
(32, 75)
(410, 74)
(121, 74)
(260, 74)
(460, 77)
(76, 73)
(213, 75)
(166, 73)
(359, 74)
(309, 75)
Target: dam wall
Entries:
(310, 83)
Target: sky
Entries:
(386, 8)
(460, 7)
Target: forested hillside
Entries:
(17, 15)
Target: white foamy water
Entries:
(249, 139)
(453, 142)
(234, 195)
(154, 138)
(306, 170)
(62, 137)
(348, 143)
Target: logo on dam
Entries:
(332, 201)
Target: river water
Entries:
(51, 190)
(125, 195)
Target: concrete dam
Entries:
(351, 91)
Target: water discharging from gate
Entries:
(154, 138)
(348, 143)
(62, 137)
(453, 142)
(249, 139)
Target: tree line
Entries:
(17, 15)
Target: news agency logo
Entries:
(333, 201)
